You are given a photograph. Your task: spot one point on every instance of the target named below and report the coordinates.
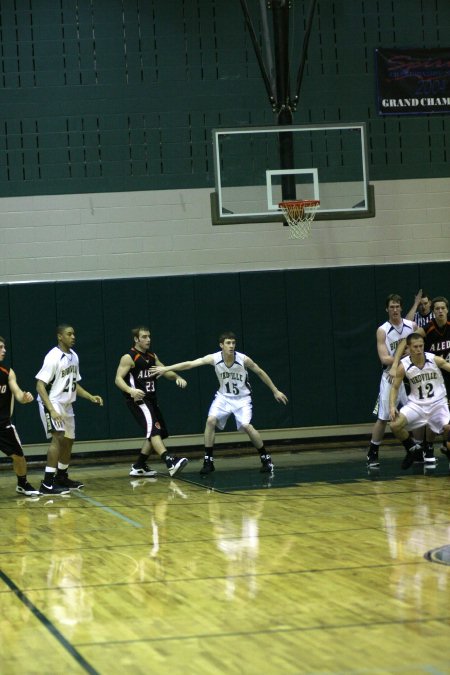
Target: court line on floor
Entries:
(48, 625)
(107, 509)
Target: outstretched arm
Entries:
(19, 395)
(279, 396)
(184, 365)
(172, 375)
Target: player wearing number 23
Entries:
(135, 379)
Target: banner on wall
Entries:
(413, 81)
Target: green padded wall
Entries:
(218, 308)
(313, 331)
(356, 373)
(265, 339)
(79, 304)
(32, 312)
(401, 279)
(171, 301)
(310, 347)
(434, 279)
(115, 96)
(5, 330)
(124, 306)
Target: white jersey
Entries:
(396, 333)
(427, 383)
(60, 372)
(233, 380)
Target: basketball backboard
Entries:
(325, 162)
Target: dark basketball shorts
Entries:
(10, 442)
(149, 417)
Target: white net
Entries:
(299, 216)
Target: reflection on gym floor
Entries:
(234, 573)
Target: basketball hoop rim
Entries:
(302, 203)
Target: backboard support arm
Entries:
(258, 53)
(304, 56)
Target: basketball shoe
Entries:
(143, 470)
(27, 490)
(266, 464)
(208, 466)
(176, 464)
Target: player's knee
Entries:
(247, 428)
(211, 422)
(397, 424)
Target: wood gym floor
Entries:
(322, 570)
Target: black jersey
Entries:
(139, 377)
(5, 397)
(437, 341)
(422, 320)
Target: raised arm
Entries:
(207, 360)
(413, 310)
(263, 376)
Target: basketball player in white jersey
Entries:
(232, 398)
(58, 386)
(389, 334)
(427, 400)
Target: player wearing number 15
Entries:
(232, 398)
(58, 387)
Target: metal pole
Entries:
(304, 56)
(256, 47)
(280, 9)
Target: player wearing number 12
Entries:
(427, 401)
(232, 398)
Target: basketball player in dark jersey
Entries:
(436, 335)
(425, 312)
(9, 440)
(134, 379)
(421, 312)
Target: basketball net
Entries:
(299, 215)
